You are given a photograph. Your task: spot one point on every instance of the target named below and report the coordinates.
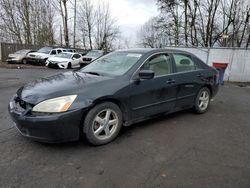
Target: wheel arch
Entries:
(210, 89)
(122, 107)
(115, 101)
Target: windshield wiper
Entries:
(94, 73)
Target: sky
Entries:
(132, 14)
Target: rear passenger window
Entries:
(184, 63)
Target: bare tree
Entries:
(152, 34)
(10, 25)
(64, 14)
(28, 22)
(106, 31)
(87, 20)
(205, 22)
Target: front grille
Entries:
(21, 105)
(52, 65)
(86, 59)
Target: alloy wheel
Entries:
(204, 100)
(105, 124)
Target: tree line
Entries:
(58, 22)
(205, 23)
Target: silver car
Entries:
(19, 56)
(91, 56)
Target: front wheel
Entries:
(24, 61)
(69, 65)
(102, 123)
(202, 100)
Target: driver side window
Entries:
(161, 64)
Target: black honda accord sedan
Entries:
(116, 90)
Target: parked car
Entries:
(91, 56)
(83, 53)
(69, 50)
(64, 60)
(40, 57)
(19, 56)
(118, 89)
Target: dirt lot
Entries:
(178, 150)
(19, 66)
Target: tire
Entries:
(69, 66)
(202, 100)
(102, 123)
(24, 61)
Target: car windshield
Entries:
(45, 50)
(64, 55)
(94, 53)
(22, 52)
(113, 64)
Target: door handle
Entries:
(170, 81)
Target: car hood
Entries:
(58, 59)
(62, 84)
(89, 57)
(16, 55)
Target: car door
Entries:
(188, 79)
(75, 60)
(156, 95)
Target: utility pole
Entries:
(74, 40)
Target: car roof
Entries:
(71, 53)
(152, 50)
(95, 51)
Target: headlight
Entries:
(18, 57)
(59, 104)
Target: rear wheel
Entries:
(102, 123)
(202, 100)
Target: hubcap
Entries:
(204, 100)
(105, 124)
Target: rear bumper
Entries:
(215, 90)
(54, 128)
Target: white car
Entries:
(40, 57)
(64, 60)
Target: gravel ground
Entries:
(20, 66)
(178, 150)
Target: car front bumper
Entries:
(51, 128)
(52, 65)
(14, 60)
(36, 61)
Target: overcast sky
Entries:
(131, 14)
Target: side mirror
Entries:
(73, 58)
(146, 74)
